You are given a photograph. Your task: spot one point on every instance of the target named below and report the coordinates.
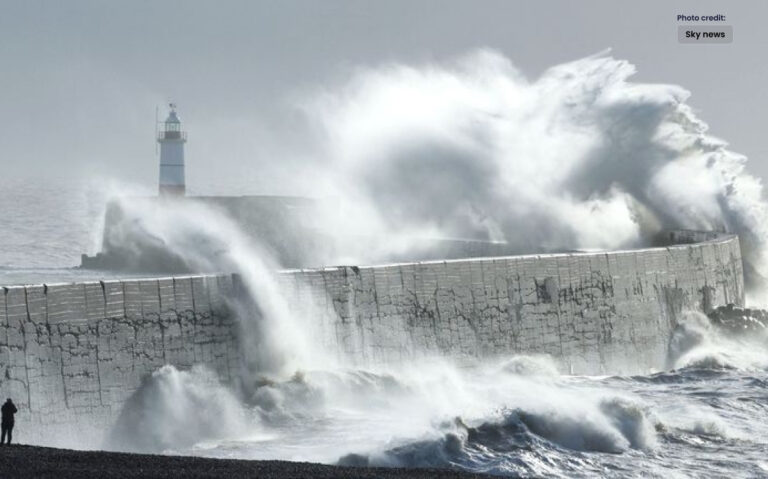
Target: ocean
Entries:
(707, 416)
(46, 224)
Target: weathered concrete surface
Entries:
(71, 354)
(596, 312)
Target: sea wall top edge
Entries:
(116, 280)
(720, 238)
(716, 239)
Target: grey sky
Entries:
(79, 80)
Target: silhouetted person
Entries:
(8, 410)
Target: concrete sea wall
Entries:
(73, 354)
(597, 313)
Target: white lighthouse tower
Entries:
(172, 139)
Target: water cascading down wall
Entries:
(71, 355)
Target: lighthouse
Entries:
(172, 139)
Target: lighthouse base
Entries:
(173, 190)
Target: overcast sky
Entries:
(80, 80)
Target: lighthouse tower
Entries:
(172, 139)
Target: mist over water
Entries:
(578, 158)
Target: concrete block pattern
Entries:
(36, 303)
(66, 302)
(132, 299)
(182, 292)
(95, 301)
(166, 298)
(200, 297)
(114, 299)
(149, 292)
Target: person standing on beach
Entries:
(8, 410)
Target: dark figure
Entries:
(8, 410)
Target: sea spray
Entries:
(696, 342)
(174, 410)
(277, 342)
(471, 148)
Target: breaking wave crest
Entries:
(696, 343)
(175, 410)
(620, 425)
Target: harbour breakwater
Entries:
(594, 313)
(71, 355)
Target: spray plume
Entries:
(579, 158)
(204, 239)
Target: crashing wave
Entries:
(730, 341)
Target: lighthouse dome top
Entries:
(172, 117)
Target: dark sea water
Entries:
(705, 417)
